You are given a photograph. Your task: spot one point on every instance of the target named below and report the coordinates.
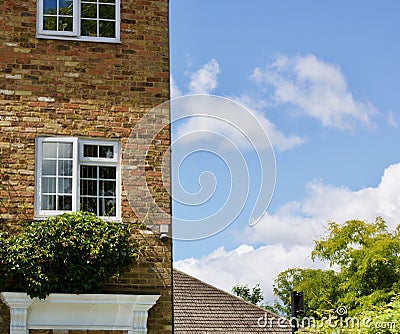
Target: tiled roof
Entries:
(203, 308)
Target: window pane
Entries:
(66, 7)
(48, 185)
(106, 29)
(89, 172)
(48, 202)
(106, 152)
(88, 28)
(65, 24)
(65, 167)
(107, 207)
(65, 185)
(89, 204)
(107, 12)
(65, 150)
(107, 1)
(50, 7)
(90, 151)
(108, 172)
(50, 23)
(89, 187)
(65, 203)
(107, 188)
(49, 150)
(89, 10)
(58, 18)
(49, 167)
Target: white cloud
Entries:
(316, 89)
(175, 91)
(278, 139)
(288, 234)
(299, 223)
(246, 265)
(341, 204)
(392, 119)
(230, 119)
(205, 80)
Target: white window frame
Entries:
(102, 162)
(41, 31)
(113, 161)
(78, 159)
(75, 33)
(38, 174)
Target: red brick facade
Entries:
(80, 89)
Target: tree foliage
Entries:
(254, 295)
(71, 253)
(319, 288)
(4, 263)
(366, 279)
(385, 319)
(368, 258)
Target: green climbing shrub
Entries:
(71, 253)
(4, 264)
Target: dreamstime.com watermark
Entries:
(335, 320)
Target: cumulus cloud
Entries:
(205, 80)
(316, 89)
(175, 91)
(246, 265)
(247, 123)
(301, 222)
(233, 120)
(341, 203)
(278, 139)
(288, 234)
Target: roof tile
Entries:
(201, 308)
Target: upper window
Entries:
(74, 174)
(90, 20)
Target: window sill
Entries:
(48, 215)
(81, 39)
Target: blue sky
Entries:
(323, 77)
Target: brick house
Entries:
(76, 76)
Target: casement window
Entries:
(77, 175)
(88, 20)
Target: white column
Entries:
(139, 322)
(18, 313)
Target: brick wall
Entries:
(90, 90)
(135, 72)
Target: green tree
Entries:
(319, 288)
(384, 319)
(254, 296)
(367, 275)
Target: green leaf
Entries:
(72, 253)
